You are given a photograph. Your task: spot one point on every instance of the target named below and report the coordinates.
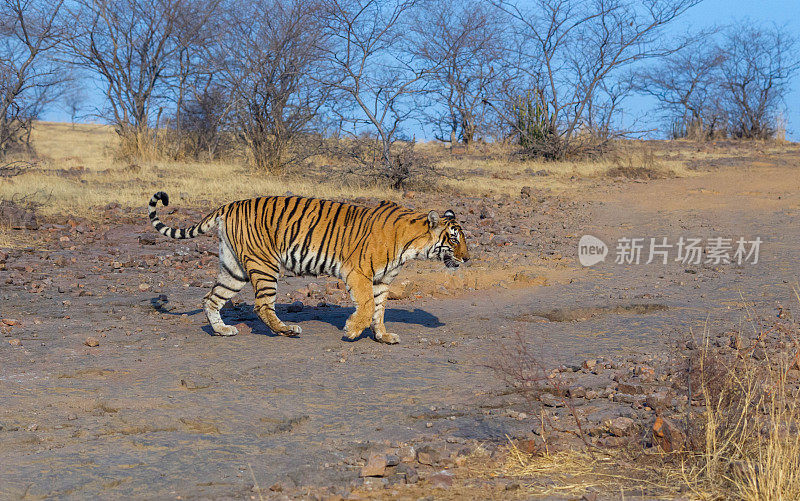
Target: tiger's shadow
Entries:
(330, 314)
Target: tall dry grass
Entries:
(79, 168)
(750, 421)
(741, 427)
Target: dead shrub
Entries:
(743, 415)
(525, 374)
(636, 162)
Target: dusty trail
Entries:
(172, 411)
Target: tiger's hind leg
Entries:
(264, 277)
(229, 282)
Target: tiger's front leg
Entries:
(360, 288)
(381, 292)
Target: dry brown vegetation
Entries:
(78, 167)
(737, 438)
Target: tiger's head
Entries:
(449, 243)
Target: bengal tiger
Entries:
(364, 246)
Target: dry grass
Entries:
(743, 433)
(80, 166)
(750, 447)
(77, 170)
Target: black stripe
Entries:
(231, 273)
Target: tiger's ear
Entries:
(433, 219)
(450, 214)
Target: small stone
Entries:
(144, 287)
(630, 388)
(14, 342)
(392, 459)
(442, 480)
(147, 240)
(550, 400)
(407, 453)
(428, 455)
(72, 417)
(667, 435)
(295, 307)
(620, 426)
(276, 487)
(33, 427)
(577, 392)
(375, 467)
(589, 364)
(410, 473)
(525, 192)
(658, 400)
(92, 342)
(10, 322)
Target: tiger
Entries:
(363, 246)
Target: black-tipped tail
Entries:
(191, 232)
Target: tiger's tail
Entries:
(203, 226)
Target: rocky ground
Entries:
(111, 386)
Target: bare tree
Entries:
(266, 65)
(754, 74)
(371, 63)
(567, 51)
(200, 25)
(28, 77)
(687, 87)
(462, 43)
(133, 46)
(73, 97)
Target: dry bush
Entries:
(410, 166)
(525, 374)
(149, 145)
(636, 162)
(742, 426)
(741, 421)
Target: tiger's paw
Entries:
(226, 330)
(388, 338)
(290, 330)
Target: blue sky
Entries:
(784, 13)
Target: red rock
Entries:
(667, 435)
(10, 321)
(92, 342)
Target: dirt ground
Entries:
(160, 409)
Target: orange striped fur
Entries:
(364, 246)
